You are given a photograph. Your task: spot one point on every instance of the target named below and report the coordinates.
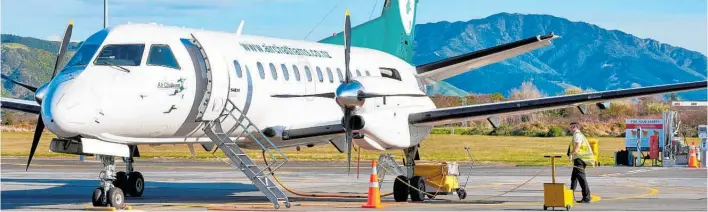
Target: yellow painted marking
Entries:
(652, 192)
(98, 208)
(94, 208)
(595, 198)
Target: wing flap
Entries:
(450, 67)
(483, 111)
(20, 105)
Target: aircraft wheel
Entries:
(97, 197)
(461, 193)
(419, 183)
(135, 184)
(116, 198)
(400, 189)
(121, 180)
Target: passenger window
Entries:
(161, 55)
(390, 73)
(261, 72)
(358, 74)
(286, 76)
(273, 71)
(237, 66)
(367, 73)
(319, 74)
(330, 76)
(296, 71)
(308, 74)
(122, 55)
(339, 74)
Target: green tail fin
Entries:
(392, 32)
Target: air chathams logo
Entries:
(407, 8)
(178, 86)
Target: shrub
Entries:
(555, 132)
(502, 130)
(440, 131)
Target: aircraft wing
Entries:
(443, 69)
(491, 110)
(21, 105)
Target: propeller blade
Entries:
(348, 136)
(35, 141)
(63, 47)
(347, 46)
(323, 95)
(28, 87)
(364, 95)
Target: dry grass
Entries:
(503, 149)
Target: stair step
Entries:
(239, 158)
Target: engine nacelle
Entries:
(389, 128)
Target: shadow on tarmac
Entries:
(46, 192)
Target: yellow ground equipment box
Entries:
(556, 195)
(440, 178)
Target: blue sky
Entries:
(680, 23)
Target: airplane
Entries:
(136, 84)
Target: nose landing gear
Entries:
(115, 185)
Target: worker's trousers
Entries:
(579, 176)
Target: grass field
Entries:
(514, 150)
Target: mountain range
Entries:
(586, 56)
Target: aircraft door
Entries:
(214, 73)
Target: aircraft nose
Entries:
(56, 113)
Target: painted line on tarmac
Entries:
(652, 192)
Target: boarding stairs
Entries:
(259, 176)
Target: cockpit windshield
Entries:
(88, 49)
(120, 54)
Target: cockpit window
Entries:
(161, 55)
(88, 49)
(121, 54)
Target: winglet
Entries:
(71, 22)
(346, 13)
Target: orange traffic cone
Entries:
(692, 161)
(374, 200)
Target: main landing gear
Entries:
(115, 185)
(409, 184)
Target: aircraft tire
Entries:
(400, 189)
(116, 198)
(97, 197)
(419, 183)
(135, 184)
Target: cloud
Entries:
(53, 38)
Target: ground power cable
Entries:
(308, 194)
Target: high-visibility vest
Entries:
(585, 151)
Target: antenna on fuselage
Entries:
(105, 13)
(240, 28)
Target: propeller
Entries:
(347, 83)
(27, 86)
(40, 124)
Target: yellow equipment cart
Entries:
(556, 195)
(441, 178)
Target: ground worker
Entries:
(580, 153)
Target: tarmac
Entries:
(183, 185)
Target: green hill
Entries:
(28, 60)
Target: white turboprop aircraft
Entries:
(150, 84)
